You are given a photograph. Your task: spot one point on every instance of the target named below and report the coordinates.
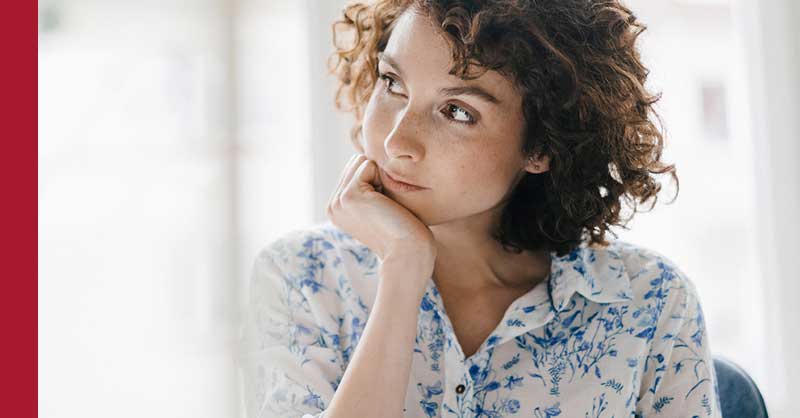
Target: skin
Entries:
(470, 170)
(440, 232)
(412, 129)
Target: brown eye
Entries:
(459, 115)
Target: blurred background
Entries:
(178, 137)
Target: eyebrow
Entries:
(448, 91)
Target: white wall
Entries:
(174, 142)
(137, 204)
(772, 45)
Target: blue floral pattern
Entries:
(614, 332)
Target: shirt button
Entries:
(460, 389)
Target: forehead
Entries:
(423, 52)
(414, 37)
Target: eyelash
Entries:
(388, 79)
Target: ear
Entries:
(537, 164)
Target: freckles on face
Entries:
(461, 139)
(483, 174)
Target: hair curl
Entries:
(577, 67)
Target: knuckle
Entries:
(350, 194)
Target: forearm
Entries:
(376, 379)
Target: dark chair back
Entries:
(738, 394)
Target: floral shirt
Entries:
(614, 332)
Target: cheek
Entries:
(484, 175)
(376, 126)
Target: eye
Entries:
(456, 114)
(461, 115)
(388, 82)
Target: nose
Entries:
(403, 142)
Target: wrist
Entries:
(422, 254)
(405, 276)
(412, 266)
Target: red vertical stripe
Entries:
(19, 209)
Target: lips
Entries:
(401, 181)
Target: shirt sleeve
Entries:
(287, 368)
(679, 378)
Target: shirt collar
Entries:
(598, 274)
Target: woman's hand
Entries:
(389, 229)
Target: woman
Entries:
(465, 270)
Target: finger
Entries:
(343, 175)
(344, 178)
(370, 176)
(360, 158)
(364, 178)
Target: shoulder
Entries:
(638, 255)
(650, 270)
(661, 291)
(653, 280)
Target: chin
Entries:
(420, 207)
(430, 212)
(432, 216)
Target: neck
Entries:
(470, 260)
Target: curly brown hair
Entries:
(581, 78)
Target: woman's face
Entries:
(458, 139)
